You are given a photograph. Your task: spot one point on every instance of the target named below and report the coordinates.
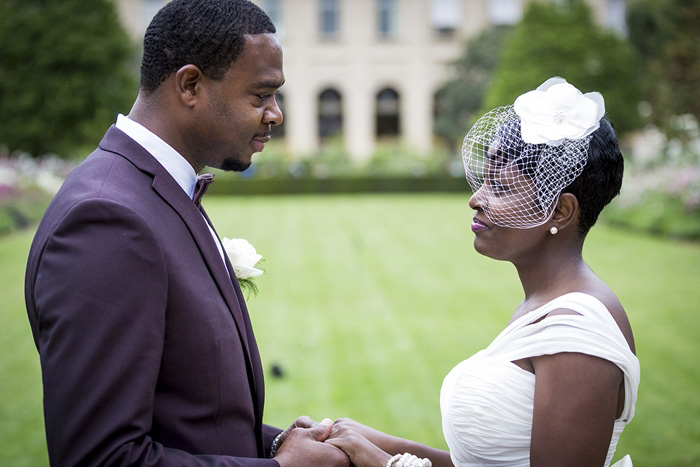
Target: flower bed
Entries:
(662, 200)
(26, 188)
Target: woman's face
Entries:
(506, 198)
(507, 195)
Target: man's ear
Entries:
(566, 211)
(189, 84)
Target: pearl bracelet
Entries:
(409, 460)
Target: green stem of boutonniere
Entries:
(248, 287)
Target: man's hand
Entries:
(301, 422)
(303, 444)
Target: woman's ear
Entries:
(188, 84)
(566, 211)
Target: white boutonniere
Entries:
(243, 258)
(556, 111)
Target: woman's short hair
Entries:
(601, 178)
(207, 33)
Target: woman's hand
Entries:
(360, 450)
(375, 437)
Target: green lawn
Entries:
(368, 301)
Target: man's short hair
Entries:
(207, 33)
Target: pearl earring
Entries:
(553, 230)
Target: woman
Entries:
(559, 384)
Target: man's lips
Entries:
(259, 141)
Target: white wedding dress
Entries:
(487, 401)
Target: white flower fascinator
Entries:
(519, 158)
(557, 111)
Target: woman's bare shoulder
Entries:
(608, 298)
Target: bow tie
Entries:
(203, 182)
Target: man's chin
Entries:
(234, 165)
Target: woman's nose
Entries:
(476, 200)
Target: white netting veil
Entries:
(517, 183)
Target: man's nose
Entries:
(273, 115)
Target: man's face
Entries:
(236, 120)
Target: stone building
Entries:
(370, 69)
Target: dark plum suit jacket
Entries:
(147, 352)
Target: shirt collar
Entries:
(169, 158)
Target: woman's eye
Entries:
(497, 187)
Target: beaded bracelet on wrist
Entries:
(273, 448)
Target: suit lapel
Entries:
(168, 189)
(231, 278)
(118, 142)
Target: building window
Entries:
(330, 18)
(616, 16)
(505, 11)
(386, 18)
(388, 113)
(273, 8)
(445, 16)
(330, 113)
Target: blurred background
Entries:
(378, 97)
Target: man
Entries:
(147, 352)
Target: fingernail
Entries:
(326, 421)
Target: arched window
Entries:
(330, 113)
(388, 113)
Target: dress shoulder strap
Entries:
(592, 331)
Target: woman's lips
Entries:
(478, 225)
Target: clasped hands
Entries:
(340, 443)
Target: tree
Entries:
(560, 39)
(459, 100)
(666, 35)
(65, 73)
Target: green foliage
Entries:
(26, 188)
(663, 200)
(665, 32)
(390, 159)
(561, 39)
(22, 211)
(460, 99)
(65, 73)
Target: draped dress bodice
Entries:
(487, 401)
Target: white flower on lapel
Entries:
(556, 111)
(243, 257)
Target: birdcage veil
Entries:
(520, 157)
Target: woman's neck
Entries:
(550, 276)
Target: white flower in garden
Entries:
(556, 111)
(243, 257)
